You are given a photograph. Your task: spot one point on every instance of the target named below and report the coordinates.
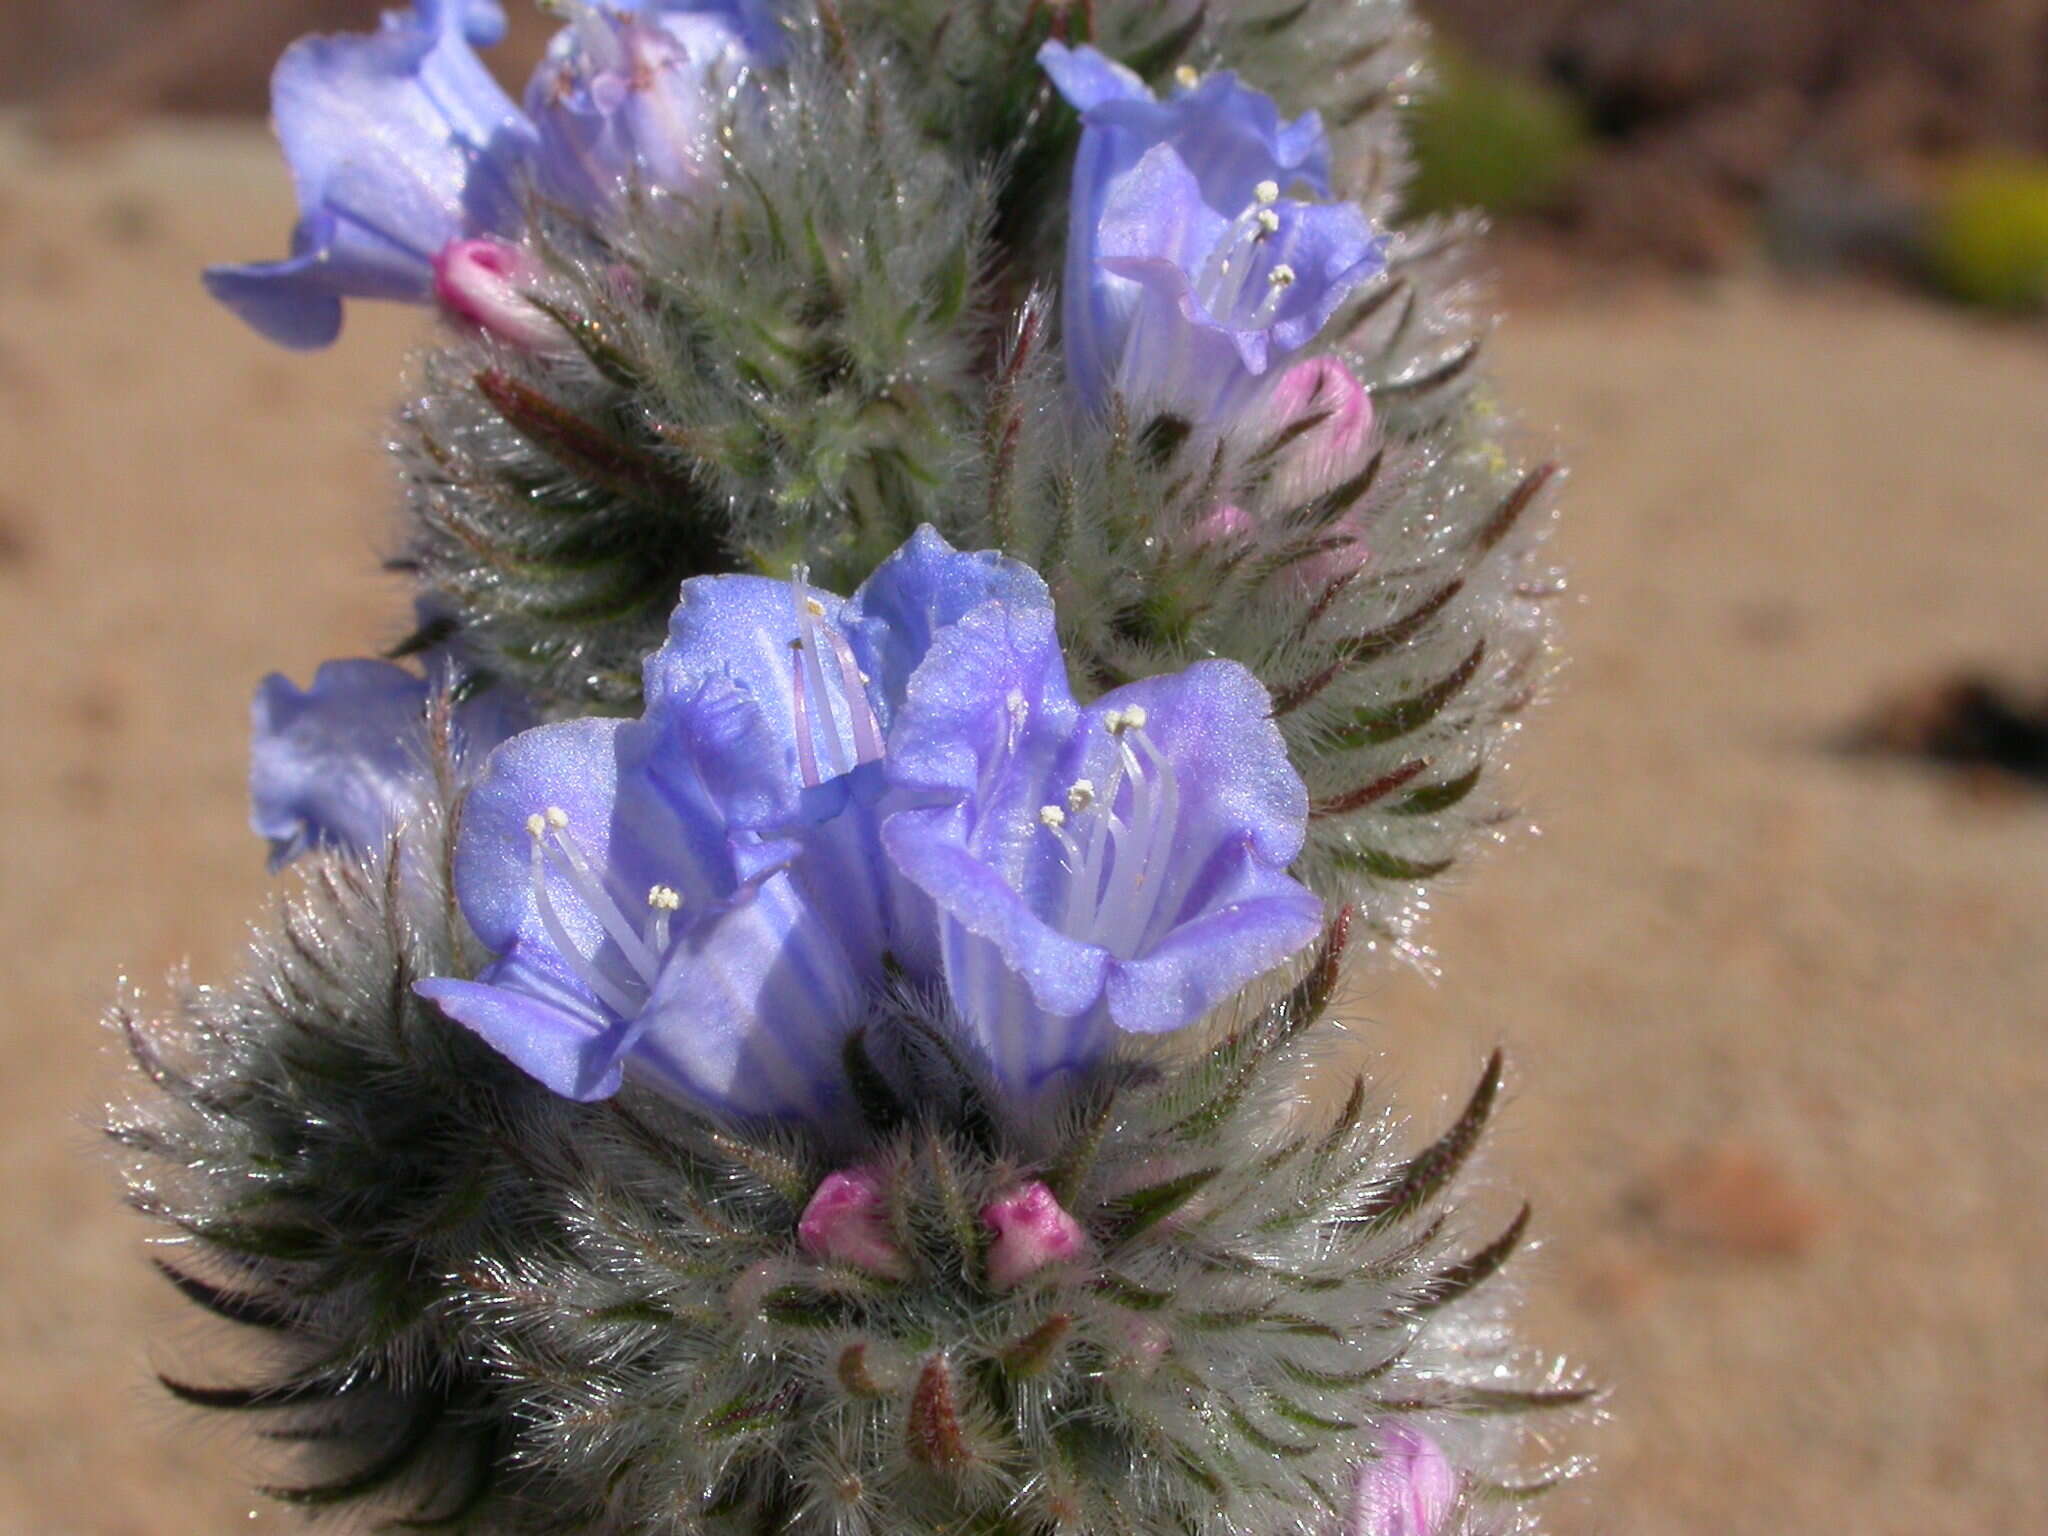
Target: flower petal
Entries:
(290, 302)
(753, 1009)
(921, 589)
(564, 1046)
(984, 739)
(338, 763)
(1088, 77)
(398, 142)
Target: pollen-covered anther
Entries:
(1187, 76)
(1052, 816)
(1282, 276)
(1268, 221)
(1080, 796)
(1266, 193)
(663, 898)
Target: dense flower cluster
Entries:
(823, 795)
(751, 1054)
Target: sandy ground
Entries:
(1779, 1017)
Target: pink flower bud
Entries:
(484, 283)
(847, 1222)
(1335, 449)
(1338, 445)
(1408, 1489)
(1031, 1231)
(1323, 457)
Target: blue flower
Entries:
(399, 142)
(823, 793)
(342, 763)
(1201, 249)
(633, 96)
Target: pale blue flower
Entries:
(399, 143)
(632, 97)
(1202, 249)
(823, 794)
(342, 763)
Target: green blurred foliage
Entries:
(1987, 233)
(1487, 139)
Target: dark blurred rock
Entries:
(1964, 720)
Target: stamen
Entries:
(811, 675)
(1278, 281)
(601, 986)
(1155, 814)
(867, 730)
(596, 899)
(812, 690)
(1116, 883)
(806, 748)
(665, 901)
(1223, 275)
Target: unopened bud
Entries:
(485, 283)
(1032, 1231)
(1408, 1489)
(847, 1222)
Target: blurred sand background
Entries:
(1778, 1015)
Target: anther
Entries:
(1080, 795)
(1052, 816)
(557, 817)
(1188, 76)
(1269, 221)
(1282, 276)
(664, 898)
(537, 826)
(1266, 192)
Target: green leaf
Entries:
(1379, 724)
(1142, 1209)
(872, 1094)
(1467, 1275)
(1432, 799)
(411, 1442)
(1433, 1169)
(1382, 865)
